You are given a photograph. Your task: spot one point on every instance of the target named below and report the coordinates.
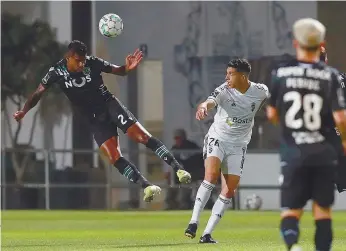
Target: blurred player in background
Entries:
(79, 77)
(237, 101)
(303, 93)
(332, 134)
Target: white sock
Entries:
(219, 208)
(202, 197)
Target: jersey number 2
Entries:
(311, 104)
(122, 120)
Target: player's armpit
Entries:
(272, 114)
(34, 98)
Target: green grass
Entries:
(102, 230)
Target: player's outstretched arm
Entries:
(203, 108)
(131, 63)
(30, 103)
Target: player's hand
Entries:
(18, 115)
(133, 60)
(201, 113)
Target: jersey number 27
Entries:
(311, 104)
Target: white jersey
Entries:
(235, 114)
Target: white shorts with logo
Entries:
(232, 157)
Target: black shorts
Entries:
(105, 123)
(304, 182)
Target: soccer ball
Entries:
(253, 202)
(111, 25)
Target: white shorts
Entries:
(232, 157)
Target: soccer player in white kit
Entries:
(237, 101)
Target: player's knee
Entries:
(111, 149)
(321, 213)
(297, 213)
(138, 133)
(211, 175)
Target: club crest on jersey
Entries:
(86, 71)
(253, 106)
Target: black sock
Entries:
(161, 150)
(290, 230)
(131, 172)
(323, 235)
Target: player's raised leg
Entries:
(139, 134)
(127, 122)
(111, 149)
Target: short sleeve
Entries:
(338, 101)
(101, 65)
(274, 89)
(263, 89)
(50, 78)
(218, 94)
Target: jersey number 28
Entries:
(311, 104)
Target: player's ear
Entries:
(295, 43)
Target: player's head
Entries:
(179, 137)
(323, 55)
(238, 72)
(76, 56)
(309, 35)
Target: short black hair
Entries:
(241, 65)
(78, 47)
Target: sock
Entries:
(219, 208)
(290, 230)
(161, 150)
(323, 235)
(131, 172)
(202, 197)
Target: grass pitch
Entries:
(106, 230)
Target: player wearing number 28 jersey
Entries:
(237, 101)
(304, 94)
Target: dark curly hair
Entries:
(78, 47)
(241, 65)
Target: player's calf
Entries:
(212, 171)
(289, 228)
(138, 133)
(324, 232)
(111, 149)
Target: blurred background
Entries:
(50, 160)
